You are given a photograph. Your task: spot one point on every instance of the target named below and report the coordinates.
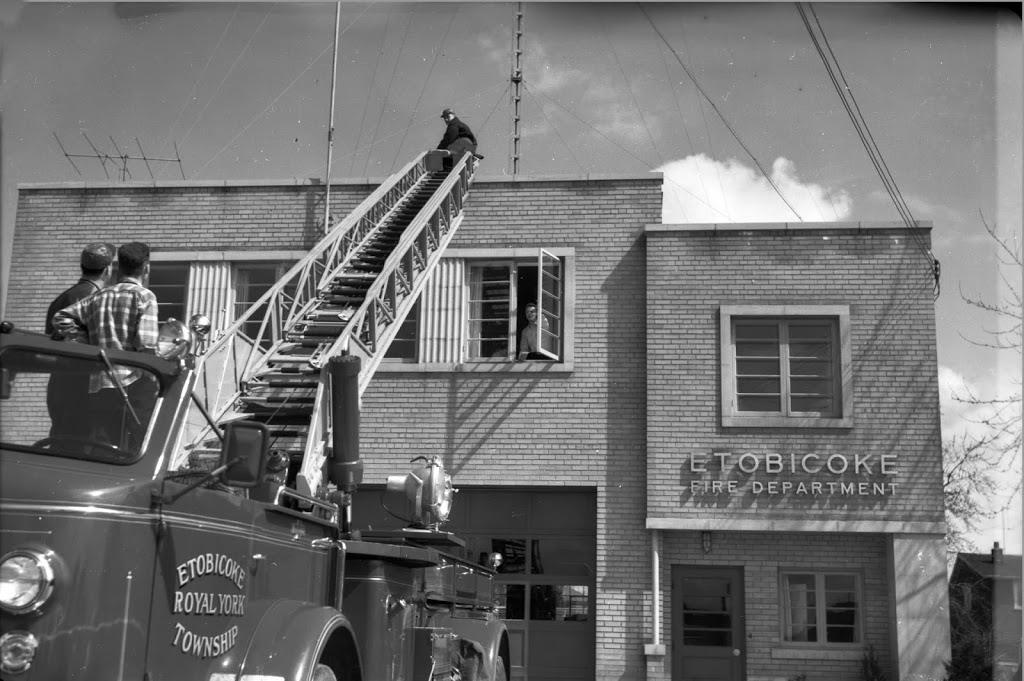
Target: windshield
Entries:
(95, 408)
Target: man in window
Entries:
(529, 339)
(121, 317)
(67, 390)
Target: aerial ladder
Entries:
(348, 296)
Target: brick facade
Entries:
(642, 391)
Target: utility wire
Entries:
(867, 139)
(387, 95)
(642, 161)
(414, 124)
(720, 115)
(228, 74)
(415, 108)
(686, 130)
(287, 87)
(568, 148)
(373, 81)
(191, 95)
(632, 96)
(707, 128)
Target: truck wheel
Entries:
(323, 673)
(499, 670)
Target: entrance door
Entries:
(707, 624)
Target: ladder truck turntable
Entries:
(221, 547)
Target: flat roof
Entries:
(318, 182)
(785, 226)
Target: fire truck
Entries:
(202, 529)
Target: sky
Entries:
(243, 91)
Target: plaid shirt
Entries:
(120, 317)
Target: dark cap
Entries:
(97, 256)
(447, 112)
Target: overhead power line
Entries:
(720, 114)
(845, 93)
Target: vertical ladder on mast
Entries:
(348, 295)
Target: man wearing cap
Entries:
(121, 317)
(67, 391)
(458, 138)
(96, 267)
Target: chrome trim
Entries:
(45, 564)
(124, 628)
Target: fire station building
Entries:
(723, 463)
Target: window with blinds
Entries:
(786, 366)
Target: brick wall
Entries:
(586, 428)
(54, 223)
(763, 556)
(884, 278)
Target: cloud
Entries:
(701, 189)
(921, 209)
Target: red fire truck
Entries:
(209, 550)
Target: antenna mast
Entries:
(119, 158)
(517, 82)
(330, 124)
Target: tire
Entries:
(323, 673)
(499, 670)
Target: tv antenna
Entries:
(120, 161)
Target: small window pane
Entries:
(754, 403)
(759, 386)
(549, 602)
(747, 330)
(754, 349)
(511, 601)
(490, 299)
(563, 557)
(169, 283)
(405, 342)
(757, 367)
(815, 405)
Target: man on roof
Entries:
(458, 138)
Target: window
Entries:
(785, 366)
(252, 280)
(169, 282)
(823, 608)
(499, 293)
(473, 313)
(1016, 595)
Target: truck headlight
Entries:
(174, 340)
(26, 581)
(17, 650)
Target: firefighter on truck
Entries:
(118, 562)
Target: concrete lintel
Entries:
(783, 525)
(226, 256)
(654, 649)
(583, 177)
(780, 226)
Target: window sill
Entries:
(518, 367)
(785, 422)
(852, 651)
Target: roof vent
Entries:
(997, 554)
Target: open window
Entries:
(473, 312)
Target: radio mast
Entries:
(517, 84)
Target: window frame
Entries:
(158, 288)
(522, 255)
(732, 417)
(820, 608)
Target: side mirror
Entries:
(245, 453)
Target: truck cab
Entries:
(127, 552)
